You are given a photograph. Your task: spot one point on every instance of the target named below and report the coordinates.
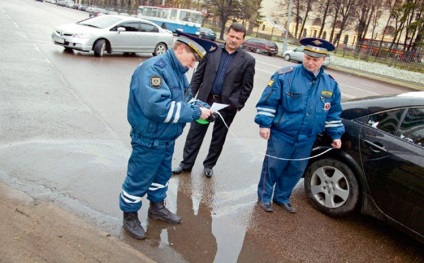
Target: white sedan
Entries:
(111, 33)
(297, 55)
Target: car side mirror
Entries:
(121, 29)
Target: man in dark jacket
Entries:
(224, 76)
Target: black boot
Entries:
(133, 225)
(157, 210)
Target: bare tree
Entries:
(346, 13)
(225, 9)
(418, 27)
(324, 10)
(308, 8)
(249, 10)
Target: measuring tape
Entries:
(270, 156)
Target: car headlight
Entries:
(82, 36)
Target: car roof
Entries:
(360, 107)
(132, 18)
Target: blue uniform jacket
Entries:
(301, 105)
(157, 107)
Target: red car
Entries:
(260, 46)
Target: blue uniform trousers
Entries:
(149, 170)
(282, 174)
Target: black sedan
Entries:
(380, 168)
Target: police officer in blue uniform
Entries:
(158, 109)
(299, 103)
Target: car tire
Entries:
(99, 48)
(332, 187)
(258, 51)
(160, 48)
(287, 57)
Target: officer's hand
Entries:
(336, 144)
(265, 133)
(205, 113)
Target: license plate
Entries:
(59, 40)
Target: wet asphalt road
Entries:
(64, 138)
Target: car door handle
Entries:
(375, 147)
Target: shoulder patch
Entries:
(285, 70)
(155, 81)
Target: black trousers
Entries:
(195, 138)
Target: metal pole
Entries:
(287, 28)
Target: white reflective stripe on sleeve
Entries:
(170, 112)
(130, 198)
(156, 186)
(178, 112)
(265, 109)
(329, 124)
(266, 114)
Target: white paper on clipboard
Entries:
(218, 106)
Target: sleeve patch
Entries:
(155, 81)
(270, 83)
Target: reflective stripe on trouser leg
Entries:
(146, 166)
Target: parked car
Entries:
(260, 46)
(111, 33)
(297, 55)
(95, 11)
(380, 168)
(207, 33)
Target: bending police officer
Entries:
(158, 110)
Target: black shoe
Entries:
(266, 206)
(133, 226)
(288, 207)
(157, 210)
(208, 172)
(180, 170)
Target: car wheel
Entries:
(99, 48)
(258, 50)
(287, 57)
(160, 49)
(332, 187)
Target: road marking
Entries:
(270, 72)
(271, 65)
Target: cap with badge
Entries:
(198, 45)
(316, 47)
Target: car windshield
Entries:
(100, 21)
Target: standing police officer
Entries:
(157, 112)
(298, 103)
